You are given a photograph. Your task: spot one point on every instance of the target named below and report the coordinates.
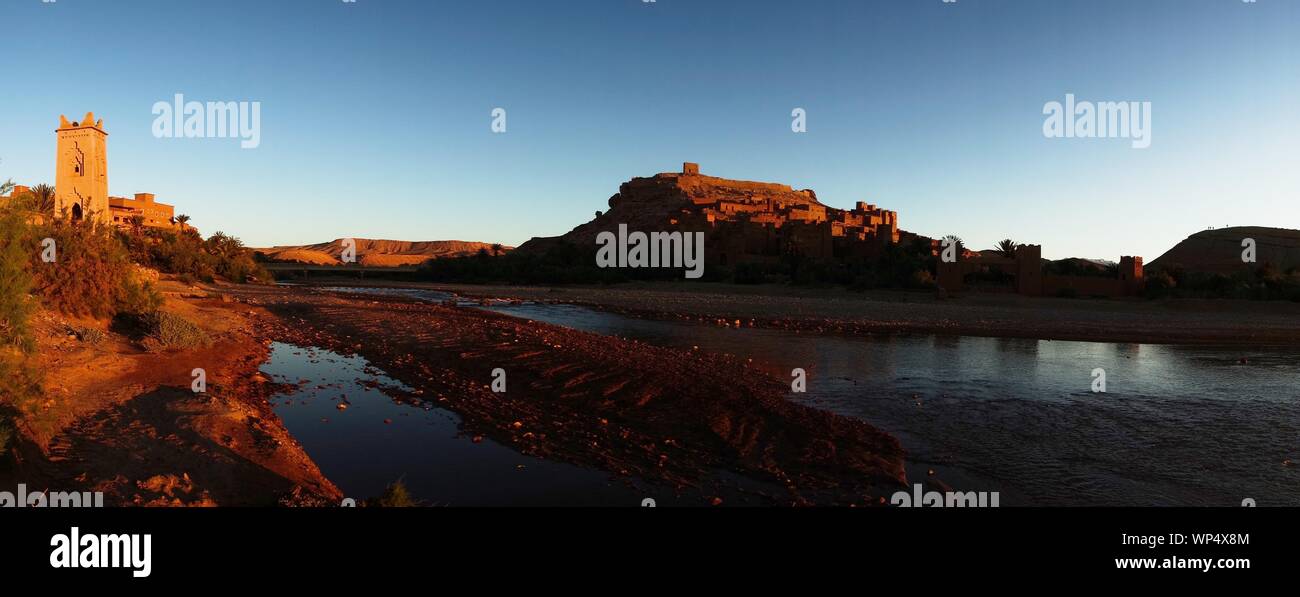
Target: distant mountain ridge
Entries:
(1219, 250)
(377, 252)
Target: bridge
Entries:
(306, 269)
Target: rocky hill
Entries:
(376, 253)
(1219, 251)
(737, 215)
(653, 203)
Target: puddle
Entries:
(378, 440)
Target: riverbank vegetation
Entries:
(1265, 282)
(91, 270)
(189, 256)
(17, 341)
(898, 266)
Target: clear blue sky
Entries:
(376, 114)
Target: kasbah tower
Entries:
(81, 174)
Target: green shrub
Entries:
(90, 274)
(1262, 283)
(16, 305)
(186, 254)
(19, 379)
(138, 296)
(395, 496)
(20, 382)
(168, 331)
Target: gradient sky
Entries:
(376, 114)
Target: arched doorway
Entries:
(76, 212)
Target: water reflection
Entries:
(376, 441)
(1179, 425)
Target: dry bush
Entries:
(168, 331)
(92, 275)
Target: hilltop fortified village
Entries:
(744, 221)
(81, 180)
(760, 222)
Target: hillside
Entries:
(1219, 250)
(376, 253)
(742, 220)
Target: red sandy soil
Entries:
(117, 419)
(669, 416)
(1175, 321)
(123, 421)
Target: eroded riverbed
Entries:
(378, 439)
(1177, 425)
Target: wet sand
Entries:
(117, 419)
(674, 417)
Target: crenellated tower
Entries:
(81, 174)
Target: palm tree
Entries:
(182, 220)
(137, 222)
(1007, 248)
(496, 249)
(43, 195)
(5, 187)
(224, 245)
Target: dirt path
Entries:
(625, 407)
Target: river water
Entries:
(1177, 425)
(377, 440)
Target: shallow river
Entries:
(1175, 426)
